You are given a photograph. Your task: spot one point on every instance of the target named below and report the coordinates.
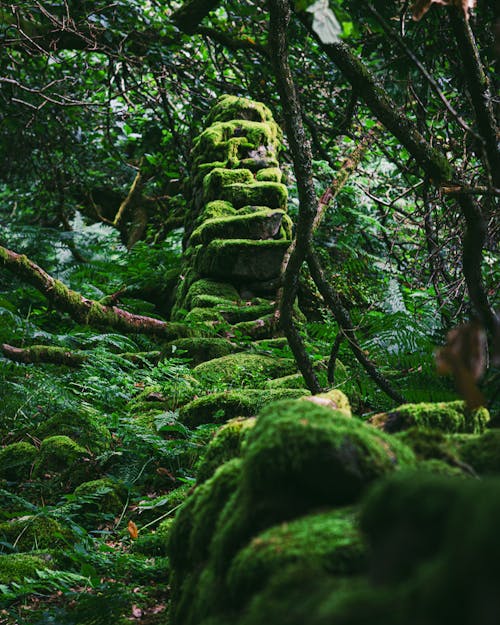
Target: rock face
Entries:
(237, 229)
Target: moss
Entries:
(16, 461)
(230, 107)
(195, 522)
(295, 445)
(199, 350)
(225, 445)
(334, 399)
(202, 315)
(14, 567)
(222, 406)
(150, 509)
(259, 225)
(219, 290)
(269, 174)
(104, 495)
(328, 541)
(440, 467)
(218, 178)
(405, 519)
(243, 368)
(35, 532)
(429, 444)
(215, 210)
(445, 416)
(241, 259)
(82, 427)
(483, 452)
(271, 194)
(58, 454)
(154, 543)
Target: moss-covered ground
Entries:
(209, 487)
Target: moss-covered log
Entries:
(82, 309)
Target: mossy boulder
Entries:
(200, 349)
(150, 509)
(14, 567)
(243, 369)
(224, 405)
(308, 455)
(483, 452)
(60, 454)
(237, 260)
(35, 532)
(105, 496)
(16, 461)
(448, 417)
(225, 445)
(203, 288)
(228, 107)
(259, 225)
(330, 541)
(434, 449)
(82, 427)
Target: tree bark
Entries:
(82, 309)
(302, 164)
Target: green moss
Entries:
(445, 416)
(483, 452)
(243, 369)
(329, 541)
(151, 509)
(35, 532)
(271, 194)
(215, 210)
(104, 495)
(259, 225)
(195, 522)
(219, 178)
(230, 107)
(309, 455)
(222, 406)
(225, 445)
(58, 454)
(154, 543)
(219, 290)
(199, 349)
(82, 427)
(16, 461)
(440, 467)
(241, 259)
(14, 567)
(429, 444)
(202, 315)
(270, 174)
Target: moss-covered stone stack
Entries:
(237, 230)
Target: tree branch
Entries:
(82, 309)
(302, 162)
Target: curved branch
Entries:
(82, 309)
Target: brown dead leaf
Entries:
(465, 357)
(132, 530)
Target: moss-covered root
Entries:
(452, 417)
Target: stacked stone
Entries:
(237, 229)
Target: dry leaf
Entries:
(465, 357)
(420, 7)
(132, 530)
